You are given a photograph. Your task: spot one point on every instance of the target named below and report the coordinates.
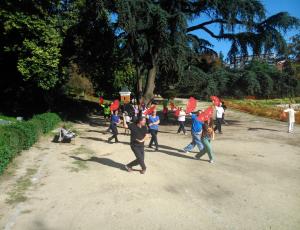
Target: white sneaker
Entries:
(185, 151)
(211, 161)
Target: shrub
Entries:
(22, 135)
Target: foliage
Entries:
(294, 48)
(258, 78)
(21, 135)
(265, 108)
(108, 39)
(125, 76)
(78, 83)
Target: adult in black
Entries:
(137, 138)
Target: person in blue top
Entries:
(115, 121)
(153, 122)
(196, 134)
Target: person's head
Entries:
(290, 106)
(181, 108)
(210, 122)
(199, 112)
(116, 112)
(141, 121)
(220, 104)
(154, 113)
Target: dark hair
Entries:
(139, 119)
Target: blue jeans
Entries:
(195, 141)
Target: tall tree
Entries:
(149, 28)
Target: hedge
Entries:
(22, 135)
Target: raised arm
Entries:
(124, 122)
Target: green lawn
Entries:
(2, 117)
(267, 102)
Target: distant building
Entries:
(241, 61)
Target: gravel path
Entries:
(254, 183)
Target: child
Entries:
(181, 121)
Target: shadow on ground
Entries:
(103, 161)
(265, 129)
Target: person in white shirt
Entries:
(291, 120)
(181, 121)
(219, 118)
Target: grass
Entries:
(82, 150)
(78, 166)
(264, 108)
(7, 118)
(17, 195)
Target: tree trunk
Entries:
(150, 85)
(139, 84)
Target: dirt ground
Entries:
(254, 183)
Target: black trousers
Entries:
(153, 138)
(115, 132)
(181, 127)
(218, 125)
(140, 156)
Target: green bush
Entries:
(22, 135)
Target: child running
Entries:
(153, 129)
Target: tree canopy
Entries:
(148, 45)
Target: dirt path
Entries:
(254, 183)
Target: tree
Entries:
(294, 48)
(152, 29)
(32, 35)
(90, 43)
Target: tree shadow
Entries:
(231, 122)
(104, 140)
(266, 129)
(103, 161)
(94, 139)
(97, 131)
(174, 154)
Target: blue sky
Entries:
(272, 7)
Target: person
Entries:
(219, 117)
(115, 121)
(136, 110)
(165, 112)
(137, 138)
(291, 120)
(106, 111)
(196, 134)
(223, 117)
(153, 128)
(128, 120)
(207, 136)
(181, 121)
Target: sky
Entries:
(272, 7)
